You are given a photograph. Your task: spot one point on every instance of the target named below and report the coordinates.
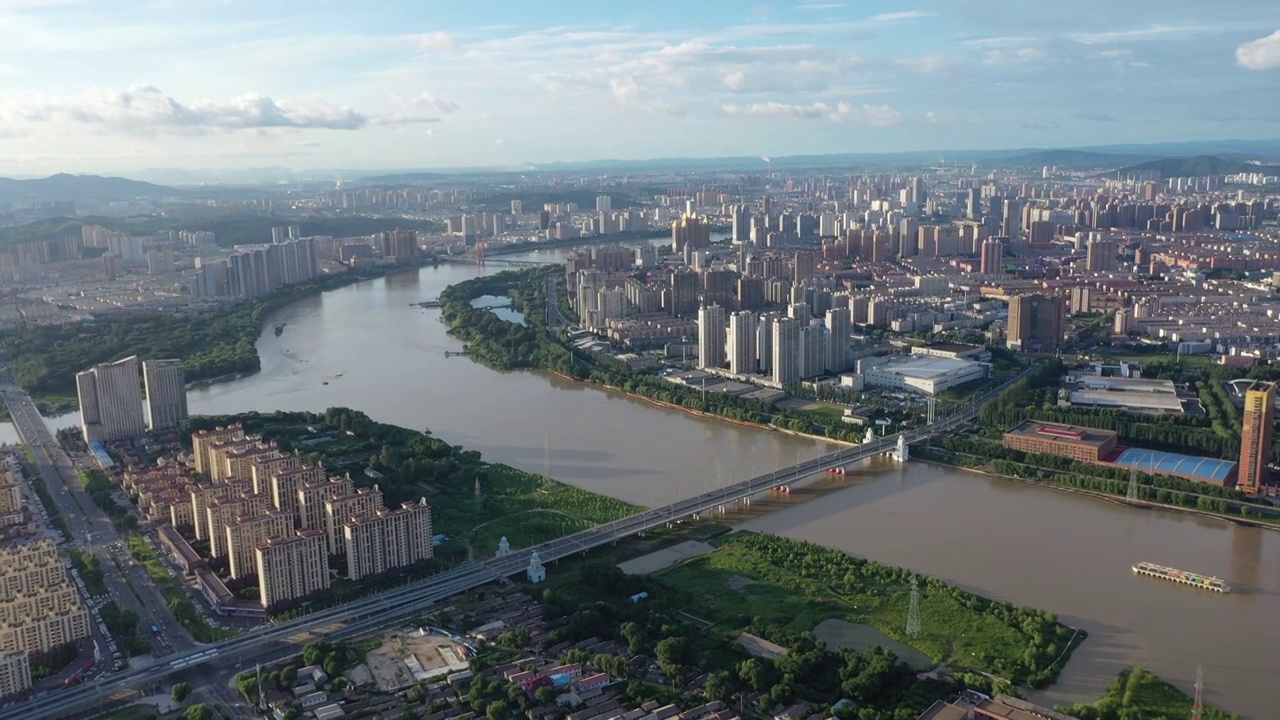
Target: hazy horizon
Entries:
(145, 84)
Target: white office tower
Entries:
(764, 341)
(111, 401)
(839, 328)
(786, 351)
(813, 350)
(742, 342)
(166, 385)
(710, 336)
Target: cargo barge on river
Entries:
(1204, 582)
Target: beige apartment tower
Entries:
(283, 487)
(202, 442)
(292, 567)
(387, 540)
(15, 673)
(110, 397)
(166, 384)
(311, 511)
(337, 510)
(246, 534)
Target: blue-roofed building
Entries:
(1190, 467)
(100, 455)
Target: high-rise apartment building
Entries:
(337, 510)
(1036, 323)
(291, 568)
(15, 673)
(202, 442)
(802, 267)
(283, 486)
(264, 467)
(111, 401)
(388, 539)
(839, 330)
(247, 533)
(741, 217)
(311, 511)
(786, 351)
(1101, 255)
(710, 336)
(1255, 438)
(813, 349)
(221, 512)
(683, 293)
(398, 245)
(166, 384)
(742, 342)
(992, 258)
(690, 231)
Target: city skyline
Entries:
(144, 84)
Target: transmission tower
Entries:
(933, 409)
(913, 613)
(1198, 705)
(546, 458)
(1133, 485)
(479, 494)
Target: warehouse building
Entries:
(922, 374)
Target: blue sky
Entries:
(115, 85)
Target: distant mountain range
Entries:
(1201, 165)
(81, 187)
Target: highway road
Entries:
(91, 529)
(417, 596)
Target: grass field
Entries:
(798, 603)
(825, 409)
(141, 552)
(1139, 695)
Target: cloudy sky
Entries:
(115, 85)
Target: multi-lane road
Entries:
(92, 530)
(283, 639)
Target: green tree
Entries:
(719, 687)
(544, 695)
(497, 710)
(754, 673)
(199, 711)
(180, 692)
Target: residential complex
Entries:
(273, 521)
(111, 399)
(40, 610)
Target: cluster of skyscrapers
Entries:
(112, 405)
(256, 270)
(787, 347)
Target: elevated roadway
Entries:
(417, 596)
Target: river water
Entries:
(367, 347)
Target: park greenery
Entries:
(48, 664)
(123, 626)
(506, 345)
(211, 344)
(51, 509)
(1138, 695)
(90, 569)
(474, 503)
(787, 587)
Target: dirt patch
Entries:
(359, 675)
(759, 647)
(408, 656)
(844, 634)
(389, 671)
(664, 558)
(738, 583)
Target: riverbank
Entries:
(215, 345)
(509, 346)
(919, 456)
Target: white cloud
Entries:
(629, 93)
(1012, 57)
(440, 42)
(426, 101)
(1155, 32)
(820, 6)
(879, 115)
(734, 81)
(147, 109)
(928, 64)
(1260, 54)
(893, 17)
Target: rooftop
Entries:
(1063, 433)
(1201, 468)
(921, 366)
